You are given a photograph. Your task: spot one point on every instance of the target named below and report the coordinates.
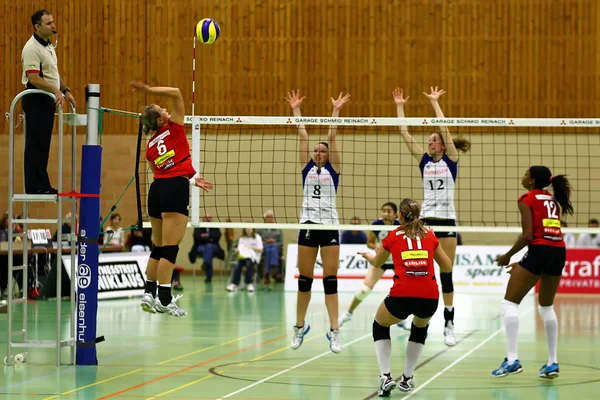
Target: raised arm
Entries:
(377, 259)
(451, 150)
(295, 101)
(413, 146)
(334, 154)
(178, 111)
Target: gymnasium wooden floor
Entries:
(236, 346)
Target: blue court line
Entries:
(80, 366)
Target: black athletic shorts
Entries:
(441, 222)
(544, 260)
(402, 307)
(387, 267)
(169, 195)
(318, 238)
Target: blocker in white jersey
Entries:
(439, 169)
(439, 179)
(320, 179)
(320, 192)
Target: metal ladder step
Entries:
(35, 197)
(36, 221)
(19, 300)
(43, 343)
(18, 267)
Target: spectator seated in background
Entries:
(249, 250)
(115, 235)
(206, 245)
(272, 240)
(589, 240)
(354, 237)
(569, 238)
(65, 229)
(139, 240)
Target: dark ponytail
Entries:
(562, 193)
(560, 186)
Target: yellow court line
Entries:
(94, 384)
(181, 387)
(217, 345)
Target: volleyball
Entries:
(207, 31)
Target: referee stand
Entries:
(19, 338)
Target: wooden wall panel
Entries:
(520, 58)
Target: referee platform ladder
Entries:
(19, 337)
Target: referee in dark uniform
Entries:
(40, 71)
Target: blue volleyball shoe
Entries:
(506, 369)
(549, 371)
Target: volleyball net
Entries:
(254, 165)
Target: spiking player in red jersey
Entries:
(415, 292)
(544, 261)
(168, 151)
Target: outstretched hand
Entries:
(367, 255)
(294, 99)
(202, 184)
(398, 97)
(435, 93)
(137, 86)
(340, 101)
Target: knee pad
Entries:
(169, 253)
(418, 335)
(447, 285)
(510, 309)
(330, 284)
(363, 292)
(155, 253)
(304, 283)
(380, 332)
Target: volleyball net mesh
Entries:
(254, 165)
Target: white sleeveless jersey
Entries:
(439, 179)
(320, 192)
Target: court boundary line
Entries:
(291, 368)
(465, 355)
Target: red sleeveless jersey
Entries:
(546, 218)
(169, 152)
(413, 264)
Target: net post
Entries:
(195, 211)
(87, 257)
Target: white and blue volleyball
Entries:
(207, 31)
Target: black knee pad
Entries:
(304, 283)
(447, 285)
(330, 284)
(155, 253)
(169, 253)
(418, 335)
(380, 332)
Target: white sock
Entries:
(384, 353)
(413, 353)
(511, 326)
(165, 284)
(551, 326)
(449, 308)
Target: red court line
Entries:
(191, 367)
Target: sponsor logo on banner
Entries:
(581, 273)
(475, 269)
(119, 275)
